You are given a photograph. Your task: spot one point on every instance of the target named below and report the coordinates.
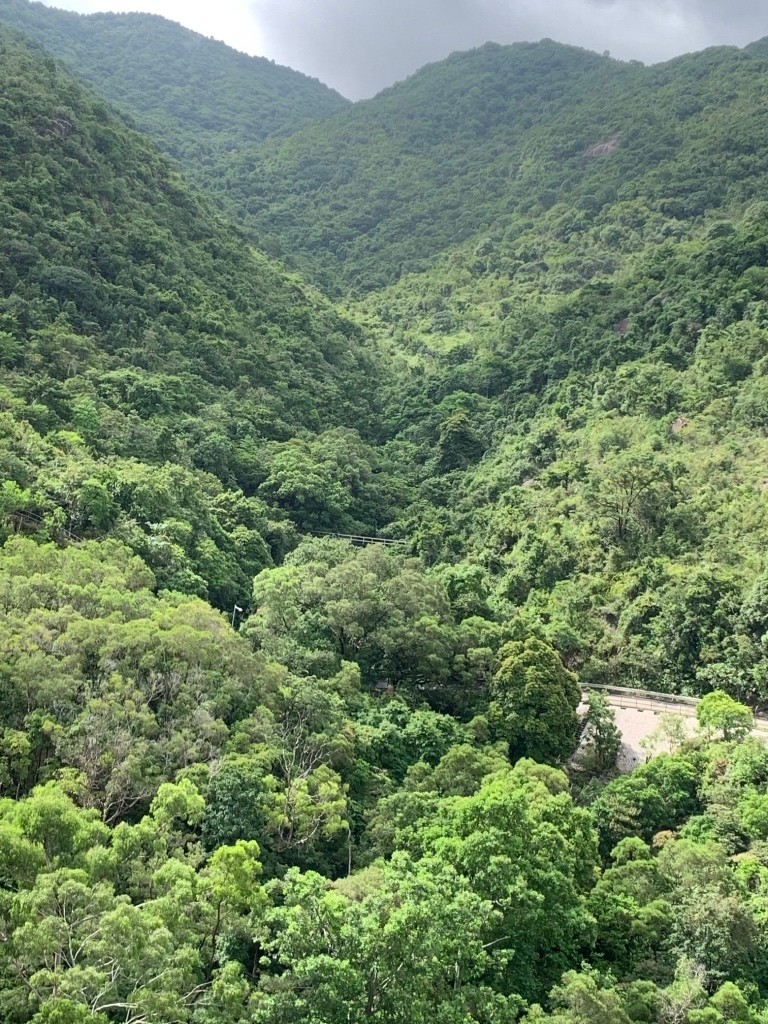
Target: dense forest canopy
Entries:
(199, 99)
(482, 143)
(161, 378)
(252, 772)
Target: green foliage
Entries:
(477, 148)
(600, 738)
(198, 98)
(155, 364)
(659, 794)
(533, 701)
(718, 711)
(508, 840)
(331, 603)
(102, 676)
(415, 948)
(345, 808)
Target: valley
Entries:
(343, 449)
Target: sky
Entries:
(361, 46)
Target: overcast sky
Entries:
(361, 46)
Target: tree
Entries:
(659, 794)
(77, 940)
(415, 949)
(719, 712)
(630, 906)
(668, 736)
(306, 487)
(305, 807)
(523, 846)
(685, 994)
(582, 998)
(631, 489)
(600, 737)
(533, 701)
(729, 1000)
(238, 802)
(716, 929)
(459, 444)
(331, 602)
(66, 1011)
(229, 897)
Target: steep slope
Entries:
(132, 317)
(566, 387)
(198, 98)
(487, 140)
(351, 809)
(596, 450)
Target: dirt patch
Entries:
(601, 148)
(679, 424)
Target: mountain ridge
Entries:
(486, 138)
(195, 95)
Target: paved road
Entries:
(637, 716)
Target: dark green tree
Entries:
(532, 702)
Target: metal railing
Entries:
(19, 517)
(358, 539)
(629, 693)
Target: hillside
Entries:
(598, 454)
(475, 147)
(540, 421)
(139, 331)
(487, 141)
(199, 99)
(253, 775)
(582, 382)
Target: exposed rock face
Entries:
(679, 424)
(62, 127)
(601, 148)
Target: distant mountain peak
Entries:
(194, 95)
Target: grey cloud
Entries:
(749, 16)
(361, 46)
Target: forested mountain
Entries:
(252, 775)
(597, 450)
(584, 389)
(138, 331)
(198, 98)
(488, 140)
